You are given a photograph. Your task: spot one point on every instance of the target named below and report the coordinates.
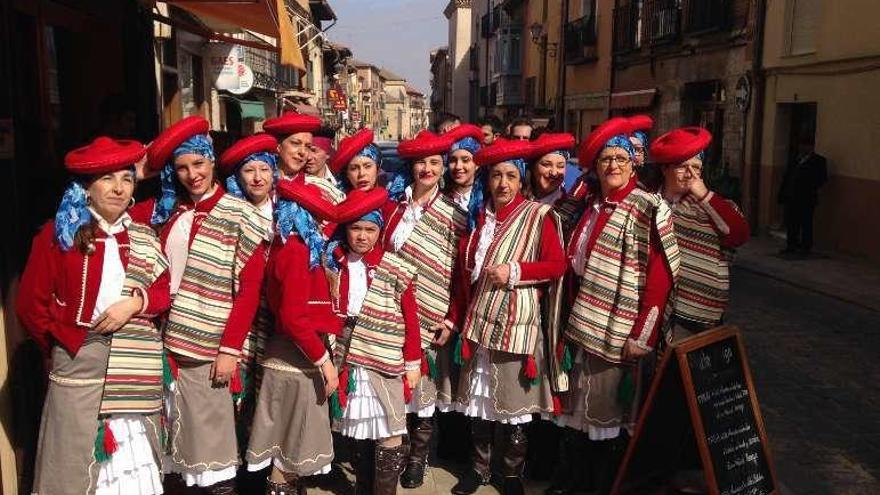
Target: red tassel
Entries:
(109, 440)
(407, 391)
(235, 383)
(466, 352)
(342, 389)
(425, 368)
(531, 369)
(560, 351)
(557, 405)
(172, 363)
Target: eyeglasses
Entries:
(620, 160)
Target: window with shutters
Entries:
(803, 24)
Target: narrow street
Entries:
(816, 368)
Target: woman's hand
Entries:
(117, 315)
(441, 334)
(413, 377)
(499, 274)
(331, 377)
(142, 171)
(698, 188)
(223, 368)
(632, 351)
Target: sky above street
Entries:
(396, 34)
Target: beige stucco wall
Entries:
(533, 54)
(843, 78)
(459, 44)
(587, 85)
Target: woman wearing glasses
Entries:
(623, 259)
(708, 227)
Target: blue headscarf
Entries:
(404, 177)
(372, 152)
(621, 141)
(374, 216)
(72, 214)
(291, 217)
(478, 192)
(643, 137)
(233, 183)
(467, 143)
(196, 145)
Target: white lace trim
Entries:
(480, 403)
(364, 417)
(252, 468)
(132, 470)
(487, 234)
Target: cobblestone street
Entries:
(815, 363)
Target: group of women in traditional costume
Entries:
(238, 321)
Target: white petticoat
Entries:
(264, 464)
(428, 411)
(195, 478)
(364, 416)
(132, 469)
(480, 403)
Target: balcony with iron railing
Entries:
(581, 40)
(702, 16)
(663, 20)
(626, 27)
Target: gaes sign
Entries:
(228, 69)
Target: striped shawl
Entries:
(607, 303)
(432, 248)
(379, 333)
(704, 278)
(133, 382)
(500, 318)
(226, 240)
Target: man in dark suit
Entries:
(804, 175)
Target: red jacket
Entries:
(59, 290)
(412, 350)
(250, 282)
(299, 298)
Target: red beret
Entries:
(349, 147)
(462, 131)
(550, 142)
(640, 123)
(291, 123)
(104, 155)
(308, 196)
(425, 144)
(502, 150)
(593, 144)
(243, 148)
(358, 203)
(679, 145)
(163, 146)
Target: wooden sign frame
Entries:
(679, 351)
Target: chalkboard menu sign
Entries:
(702, 399)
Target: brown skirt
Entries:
(492, 387)
(291, 422)
(437, 391)
(202, 420)
(65, 461)
(593, 403)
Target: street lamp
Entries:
(539, 37)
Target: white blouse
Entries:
(357, 284)
(411, 216)
(113, 271)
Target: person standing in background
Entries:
(798, 195)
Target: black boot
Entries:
(223, 488)
(419, 445)
(481, 451)
(564, 477)
(609, 456)
(364, 466)
(514, 459)
(389, 462)
(290, 487)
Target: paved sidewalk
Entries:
(844, 278)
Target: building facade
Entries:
(586, 51)
(458, 12)
(822, 70)
(441, 88)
